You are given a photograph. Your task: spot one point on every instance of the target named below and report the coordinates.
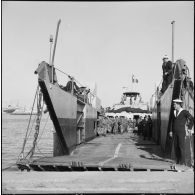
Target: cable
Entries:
(43, 130)
(74, 79)
(25, 138)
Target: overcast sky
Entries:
(98, 42)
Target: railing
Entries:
(83, 93)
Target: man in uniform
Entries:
(146, 128)
(181, 118)
(150, 127)
(69, 84)
(167, 73)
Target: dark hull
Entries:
(73, 119)
(9, 110)
(163, 116)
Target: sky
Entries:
(98, 42)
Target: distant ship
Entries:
(10, 109)
(131, 105)
(23, 111)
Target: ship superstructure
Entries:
(131, 104)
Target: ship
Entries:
(131, 104)
(23, 111)
(75, 112)
(181, 87)
(10, 109)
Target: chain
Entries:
(38, 120)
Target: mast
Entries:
(51, 42)
(54, 49)
(173, 22)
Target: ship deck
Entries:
(112, 152)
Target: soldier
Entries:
(146, 127)
(68, 87)
(119, 124)
(115, 129)
(112, 124)
(140, 126)
(167, 73)
(134, 125)
(181, 116)
(125, 124)
(150, 127)
(130, 124)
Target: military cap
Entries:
(177, 101)
(165, 57)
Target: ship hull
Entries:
(9, 110)
(74, 120)
(162, 116)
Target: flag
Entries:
(134, 80)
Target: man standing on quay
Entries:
(181, 118)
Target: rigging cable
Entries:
(75, 79)
(21, 155)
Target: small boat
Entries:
(23, 111)
(10, 109)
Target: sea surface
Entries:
(14, 128)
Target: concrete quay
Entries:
(106, 151)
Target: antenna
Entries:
(54, 49)
(173, 22)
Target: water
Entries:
(13, 132)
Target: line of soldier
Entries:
(112, 125)
(144, 127)
(122, 124)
